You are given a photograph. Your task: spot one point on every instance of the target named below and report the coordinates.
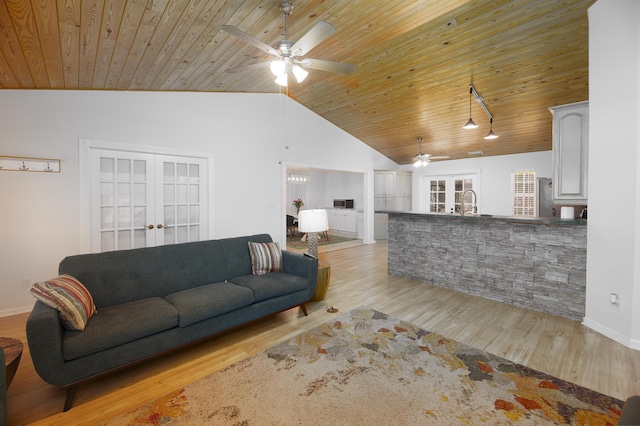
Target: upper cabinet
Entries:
(570, 152)
(392, 190)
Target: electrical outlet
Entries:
(614, 299)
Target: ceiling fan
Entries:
(423, 160)
(289, 54)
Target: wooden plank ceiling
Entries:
(414, 61)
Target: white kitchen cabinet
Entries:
(570, 152)
(343, 221)
(392, 190)
(380, 226)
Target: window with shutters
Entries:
(524, 193)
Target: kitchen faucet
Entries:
(475, 201)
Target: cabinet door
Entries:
(390, 203)
(403, 185)
(570, 152)
(390, 183)
(350, 223)
(380, 226)
(340, 222)
(331, 216)
(379, 184)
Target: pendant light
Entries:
(491, 135)
(470, 124)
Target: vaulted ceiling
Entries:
(414, 61)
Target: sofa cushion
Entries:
(69, 297)
(116, 325)
(207, 301)
(272, 285)
(265, 258)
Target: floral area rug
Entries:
(367, 368)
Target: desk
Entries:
(323, 281)
(12, 353)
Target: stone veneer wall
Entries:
(530, 265)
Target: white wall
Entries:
(613, 239)
(494, 186)
(250, 136)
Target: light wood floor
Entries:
(560, 347)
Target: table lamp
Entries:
(311, 222)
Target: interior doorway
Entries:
(321, 187)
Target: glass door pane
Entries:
(120, 201)
(437, 196)
(180, 204)
(462, 185)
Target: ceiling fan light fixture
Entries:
(299, 73)
(278, 67)
(282, 79)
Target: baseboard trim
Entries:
(15, 311)
(612, 334)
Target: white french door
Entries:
(444, 193)
(144, 199)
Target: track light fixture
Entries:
(470, 124)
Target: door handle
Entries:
(150, 226)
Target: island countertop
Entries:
(534, 263)
(548, 221)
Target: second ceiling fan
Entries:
(423, 160)
(289, 54)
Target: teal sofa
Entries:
(3, 392)
(154, 300)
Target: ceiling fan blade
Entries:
(250, 40)
(316, 35)
(248, 67)
(439, 157)
(322, 65)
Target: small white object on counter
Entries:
(567, 213)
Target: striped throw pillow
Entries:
(265, 257)
(69, 297)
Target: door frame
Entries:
(84, 148)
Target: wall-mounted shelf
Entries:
(29, 164)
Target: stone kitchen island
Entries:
(534, 263)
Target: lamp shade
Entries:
(313, 221)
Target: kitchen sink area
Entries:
(534, 263)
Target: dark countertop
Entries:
(545, 221)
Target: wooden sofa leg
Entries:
(71, 393)
(304, 309)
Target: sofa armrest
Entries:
(630, 411)
(44, 336)
(304, 266)
(3, 392)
